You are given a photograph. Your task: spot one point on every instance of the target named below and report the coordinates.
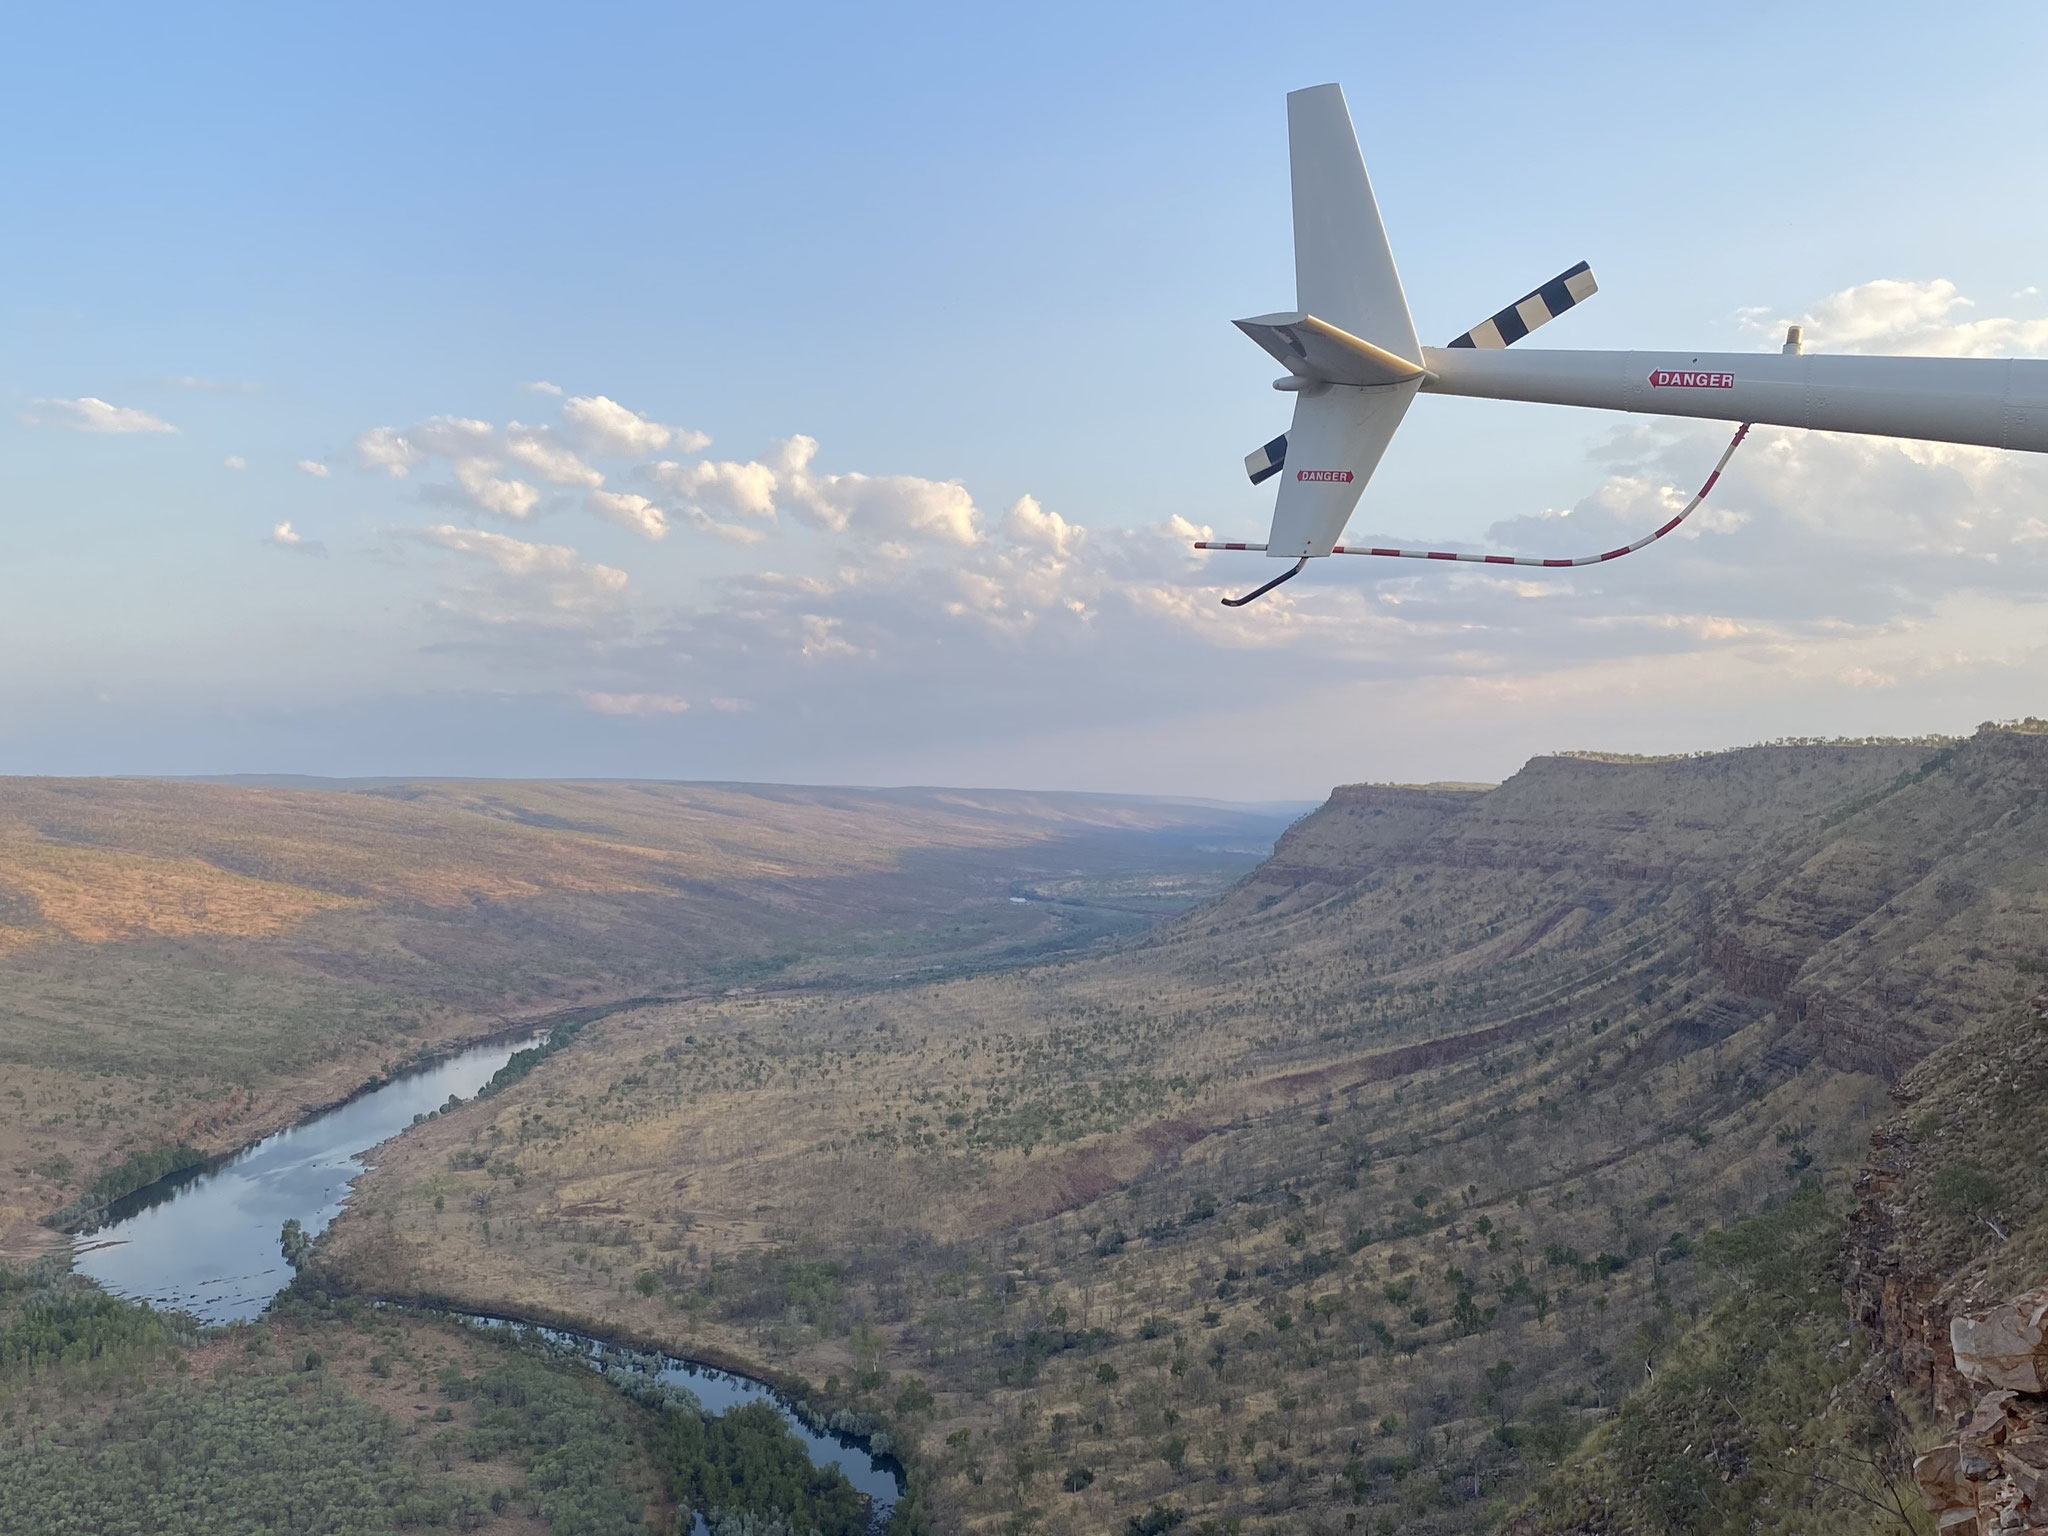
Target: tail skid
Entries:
(1258, 592)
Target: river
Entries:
(876, 1476)
(206, 1241)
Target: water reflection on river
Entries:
(877, 1476)
(206, 1241)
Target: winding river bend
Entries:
(206, 1241)
(877, 1476)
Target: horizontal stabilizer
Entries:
(1262, 464)
(1313, 349)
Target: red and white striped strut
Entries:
(1613, 554)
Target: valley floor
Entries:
(1424, 1179)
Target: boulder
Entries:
(1987, 1425)
(2005, 1346)
(1941, 1481)
(2026, 1463)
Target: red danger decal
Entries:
(1323, 474)
(1685, 378)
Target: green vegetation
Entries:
(143, 1168)
(247, 1453)
(577, 1446)
(747, 1462)
(136, 1171)
(1764, 1417)
(110, 1429)
(528, 1057)
(122, 1421)
(56, 1327)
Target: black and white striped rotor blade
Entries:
(1263, 464)
(1532, 310)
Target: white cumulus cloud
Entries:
(488, 493)
(629, 511)
(284, 536)
(455, 437)
(314, 468)
(550, 460)
(526, 584)
(1029, 523)
(607, 427)
(89, 413)
(746, 489)
(390, 450)
(1912, 319)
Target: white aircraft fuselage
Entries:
(1354, 365)
(1992, 402)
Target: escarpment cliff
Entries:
(1877, 896)
(1898, 919)
(1843, 1375)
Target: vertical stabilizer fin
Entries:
(1343, 271)
(1333, 447)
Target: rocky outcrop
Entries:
(2005, 1346)
(1992, 1480)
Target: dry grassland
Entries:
(1347, 1202)
(202, 963)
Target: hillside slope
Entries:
(1352, 1199)
(190, 963)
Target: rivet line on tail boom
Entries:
(1644, 542)
(1354, 366)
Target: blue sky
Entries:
(953, 246)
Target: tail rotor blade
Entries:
(1540, 307)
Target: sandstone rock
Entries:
(2005, 1346)
(1941, 1481)
(1987, 1425)
(2026, 1463)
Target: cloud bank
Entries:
(781, 613)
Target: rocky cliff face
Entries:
(1901, 931)
(1948, 1247)
(1877, 896)
(1900, 917)
(1953, 1212)
(1993, 1477)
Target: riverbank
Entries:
(208, 1243)
(85, 1215)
